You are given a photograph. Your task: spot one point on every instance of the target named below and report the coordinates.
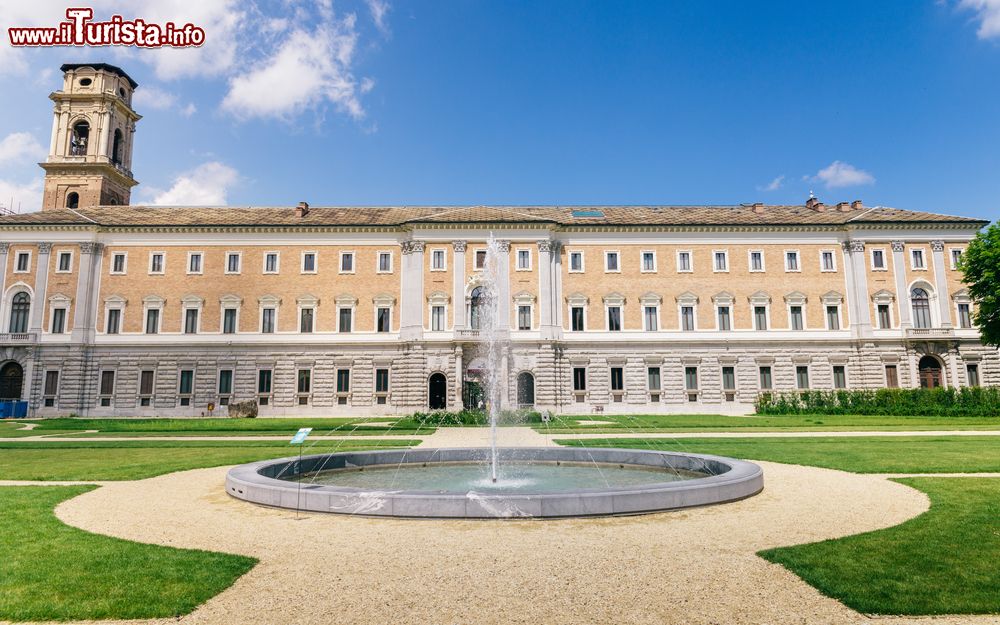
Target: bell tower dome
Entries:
(93, 124)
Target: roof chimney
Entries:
(757, 207)
(811, 202)
(857, 205)
(302, 209)
(819, 207)
(843, 207)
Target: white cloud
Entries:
(152, 97)
(206, 185)
(20, 147)
(189, 110)
(774, 185)
(840, 174)
(379, 9)
(988, 15)
(26, 198)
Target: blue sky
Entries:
(390, 102)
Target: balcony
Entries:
(467, 334)
(18, 338)
(930, 334)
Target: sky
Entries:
(388, 102)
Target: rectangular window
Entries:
(156, 262)
(23, 262)
(194, 262)
(437, 260)
(579, 378)
(683, 261)
(973, 373)
(152, 320)
(884, 322)
(118, 263)
(839, 376)
(878, 260)
(233, 262)
(791, 261)
(309, 262)
(917, 257)
(382, 319)
(385, 262)
(756, 260)
(480, 259)
(729, 378)
(524, 317)
(267, 320)
(51, 383)
(107, 383)
(649, 261)
(304, 381)
(58, 320)
(347, 262)
(576, 262)
(523, 260)
(802, 377)
(225, 381)
(381, 380)
(229, 321)
(764, 374)
(725, 321)
(437, 318)
(614, 318)
(721, 261)
(577, 314)
(687, 318)
(891, 376)
(306, 320)
(186, 384)
(956, 258)
(114, 320)
(760, 317)
(343, 380)
(795, 313)
(827, 261)
(653, 378)
(649, 318)
(65, 262)
(617, 379)
(191, 321)
(691, 378)
(271, 262)
(264, 382)
(611, 261)
(345, 316)
(964, 316)
(146, 382)
(833, 317)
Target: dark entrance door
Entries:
(437, 392)
(525, 390)
(11, 380)
(930, 372)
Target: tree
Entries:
(981, 265)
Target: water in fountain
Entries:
(493, 339)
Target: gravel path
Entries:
(694, 566)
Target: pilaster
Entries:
(503, 286)
(458, 285)
(41, 281)
(902, 292)
(941, 284)
(86, 296)
(411, 324)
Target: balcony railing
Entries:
(930, 333)
(18, 338)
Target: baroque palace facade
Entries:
(113, 309)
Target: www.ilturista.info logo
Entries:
(80, 30)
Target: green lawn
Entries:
(896, 454)
(134, 460)
(50, 571)
(942, 562)
(224, 426)
(707, 423)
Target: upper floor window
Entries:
(347, 262)
(917, 259)
(827, 261)
(65, 262)
(576, 262)
(796, 321)
(194, 262)
(229, 321)
(23, 262)
(476, 308)
(382, 319)
(308, 262)
(684, 261)
(438, 260)
(118, 260)
(921, 308)
(833, 317)
(271, 262)
(649, 317)
(233, 262)
(576, 313)
(480, 259)
(964, 316)
(687, 318)
(721, 261)
(306, 320)
(152, 320)
(878, 260)
(344, 317)
(191, 321)
(956, 258)
(58, 320)
(791, 261)
(725, 321)
(73, 200)
(756, 260)
(114, 320)
(267, 320)
(648, 261)
(523, 317)
(79, 138)
(20, 306)
(760, 317)
(611, 262)
(156, 262)
(523, 260)
(614, 318)
(384, 262)
(884, 318)
(437, 318)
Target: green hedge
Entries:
(962, 402)
(439, 418)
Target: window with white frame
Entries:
(347, 262)
(653, 383)
(883, 309)
(479, 260)
(308, 262)
(233, 262)
(191, 320)
(576, 262)
(194, 263)
(152, 321)
(271, 262)
(917, 260)
(119, 261)
(343, 382)
(524, 317)
(268, 306)
(58, 320)
(827, 261)
(648, 261)
(114, 308)
(577, 312)
(303, 386)
(438, 260)
(802, 377)
(963, 306)
(229, 320)
(611, 262)
(345, 313)
(617, 383)
(956, 257)
(687, 318)
(523, 260)
(792, 260)
(684, 262)
(650, 303)
(756, 260)
(64, 263)
(796, 303)
(764, 378)
(720, 261)
(157, 261)
(723, 311)
(878, 260)
(438, 303)
(831, 304)
(760, 308)
(839, 376)
(613, 305)
(383, 313)
(438, 318)
(384, 262)
(22, 262)
(687, 304)
(972, 373)
(691, 383)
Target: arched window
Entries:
(79, 138)
(921, 308)
(525, 390)
(19, 308)
(116, 148)
(475, 308)
(73, 200)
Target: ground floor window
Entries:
(185, 387)
(579, 378)
(802, 377)
(973, 373)
(839, 376)
(145, 387)
(264, 387)
(107, 389)
(891, 376)
(51, 388)
(766, 383)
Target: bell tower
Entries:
(93, 124)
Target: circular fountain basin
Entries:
(533, 482)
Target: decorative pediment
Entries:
(59, 299)
(577, 299)
(115, 300)
(153, 301)
(687, 298)
(796, 298)
(307, 301)
(269, 301)
(760, 298)
(614, 299)
(438, 298)
(384, 300)
(883, 296)
(650, 299)
(230, 301)
(833, 298)
(962, 296)
(346, 301)
(723, 298)
(524, 298)
(192, 301)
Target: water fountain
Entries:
(495, 482)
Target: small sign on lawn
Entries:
(300, 436)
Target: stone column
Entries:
(4, 248)
(411, 323)
(459, 368)
(458, 286)
(857, 280)
(41, 280)
(545, 288)
(503, 286)
(902, 293)
(86, 296)
(941, 284)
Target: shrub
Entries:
(961, 402)
(444, 418)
